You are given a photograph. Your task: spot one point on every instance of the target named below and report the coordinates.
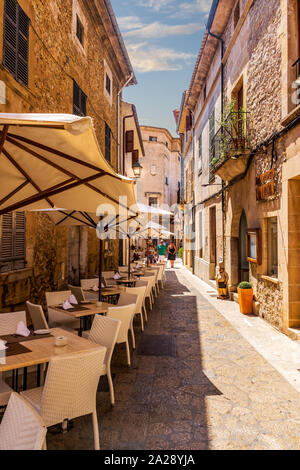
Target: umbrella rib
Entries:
(40, 157)
(25, 174)
(3, 137)
(57, 189)
(71, 216)
(63, 170)
(15, 191)
(61, 154)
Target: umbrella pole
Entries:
(129, 273)
(100, 268)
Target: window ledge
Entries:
(270, 279)
(291, 116)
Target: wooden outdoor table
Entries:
(88, 311)
(106, 292)
(128, 282)
(41, 351)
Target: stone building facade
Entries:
(259, 163)
(76, 63)
(161, 175)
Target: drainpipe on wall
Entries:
(119, 120)
(194, 206)
(219, 38)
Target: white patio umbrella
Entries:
(64, 217)
(54, 160)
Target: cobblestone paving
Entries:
(218, 393)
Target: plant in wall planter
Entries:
(245, 292)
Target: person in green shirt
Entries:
(162, 248)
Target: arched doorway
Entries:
(243, 263)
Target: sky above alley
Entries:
(163, 38)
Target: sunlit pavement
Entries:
(204, 386)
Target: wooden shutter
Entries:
(16, 39)
(13, 242)
(129, 138)
(188, 122)
(20, 240)
(79, 100)
(23, 37)
(135, 157)
(10, 36)
(7, 237)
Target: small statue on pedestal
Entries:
(222, 279)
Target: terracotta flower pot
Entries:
(246, 300)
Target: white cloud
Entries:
(159, 30)
(156, 5)
(187, 9)
(147, 58)
(130, 22)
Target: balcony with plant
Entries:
(230, 149)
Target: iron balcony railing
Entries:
(232, 138)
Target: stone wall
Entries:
(264, 70)
(56, 58)
(270, 297)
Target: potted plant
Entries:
(245, 291)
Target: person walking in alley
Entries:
(172, 254)
(162, 249)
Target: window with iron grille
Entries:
(79, 100)
(15, 41)
(107, 142)
(79, 30)
(12, 242)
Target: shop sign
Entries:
(265, 185)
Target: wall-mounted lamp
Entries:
(137, 169)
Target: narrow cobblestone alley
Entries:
(201, 385)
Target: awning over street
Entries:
(54, 161)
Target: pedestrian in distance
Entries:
(172, 254)
(162, 249)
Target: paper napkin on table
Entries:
(117, 276)
(73, 300)
(102, 285)
(67, 305)
(22, 330)
(95, 288)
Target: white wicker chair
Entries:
(89, 283)
(21, 428)
(154, 271)
(77, 292)
(151, 285)
(70, 389)
(9, 322)
(37, 316)
(55, 318)
(105, 332)
(143, 284)
(140, 292)
(8, 326)
(129, 299)
(124, 314)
